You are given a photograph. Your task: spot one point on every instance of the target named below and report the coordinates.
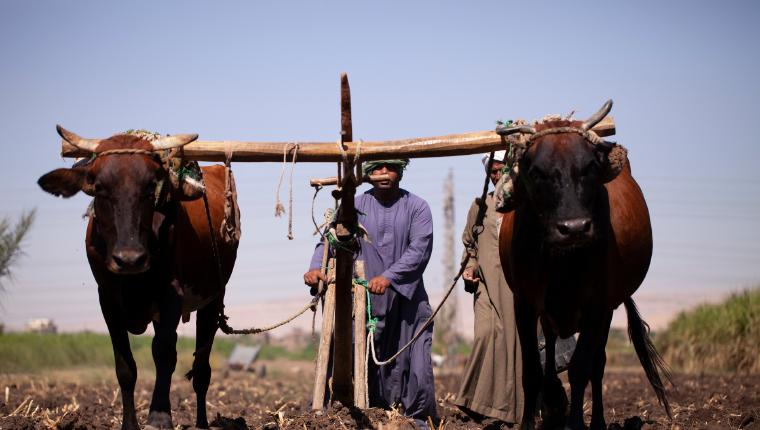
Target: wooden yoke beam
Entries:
(439, 146)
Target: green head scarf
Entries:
(369, 166)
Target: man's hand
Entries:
(312, 277)
(469, 275)
(471, 280)
(378, 285)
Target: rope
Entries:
(253, 330)
(372, 327)
(350, 245)
(587, 134)
(124, 151)
(290, 193)
(317, 228)
(372, 322)
(222, 322)
(279, 208)
(358, 164)
(343, 154)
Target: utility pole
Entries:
(447, 325)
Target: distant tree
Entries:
(11, 239)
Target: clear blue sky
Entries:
(683, 75)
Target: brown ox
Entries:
(576, 245)
(152, 258)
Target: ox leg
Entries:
(554, 396)
(597, 374)
(126, 369)
(526, 320)
(207, 321)
(164, 349)
(593, 332)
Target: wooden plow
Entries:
(343, 301)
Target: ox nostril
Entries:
(117, 259)
(141, 259)
(574, 226)
(129, 258)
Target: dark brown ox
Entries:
(577, 244)
(152, 258)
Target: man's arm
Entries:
(407, 270)
(314, 274)
(470, 274)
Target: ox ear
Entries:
(67, 182)
(613, 158)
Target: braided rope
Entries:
(124, 151)
(226, 329)
(587, 134)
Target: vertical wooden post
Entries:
(325, 341)
(361, 399)
(344, 266)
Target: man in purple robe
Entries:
(397, 248)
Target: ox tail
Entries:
(651, 360)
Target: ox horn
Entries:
(506, 131)
(598, 116)
(171, 142)
(89, 145)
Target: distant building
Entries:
(41, 325)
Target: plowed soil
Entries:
(243, 400)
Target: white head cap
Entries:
(498, 156)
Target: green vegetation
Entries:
(35, 353)
(30, 353)
(721, 337)
(619, 349)
(10, 243)
(275, 352)
(462, 347)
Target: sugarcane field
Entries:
(430, 215)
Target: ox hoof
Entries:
(159, 420)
